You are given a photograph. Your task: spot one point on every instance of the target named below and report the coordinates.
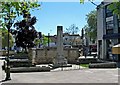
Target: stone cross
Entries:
(60, 59)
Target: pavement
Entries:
(2, 73)
(74, 67)
(72, 74)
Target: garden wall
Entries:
(46, 55)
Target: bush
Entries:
(21, 55)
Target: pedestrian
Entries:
(85, 51)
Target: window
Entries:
(109, 24)
(108, 11)
(109, 31)
(109, 27)
(119, 26)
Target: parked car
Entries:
(93, 48)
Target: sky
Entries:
(52, 14)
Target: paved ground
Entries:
(2, 74)
(72, 76)
(66, 76)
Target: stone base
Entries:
(55, 66)
(30, 69)
(60, 61)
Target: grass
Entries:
(84, 65)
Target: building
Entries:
(52, 40)
(68, 39)
(108, 32)
(71, 39)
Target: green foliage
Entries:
(92, 19)
(81, 1)
(37, 41)
(91, 27)
(20, 54)
(115, 7)
(84, 65)
(4, 34)
(45, 40)
(17, 8)
(11, 10)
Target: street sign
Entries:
(116, 49)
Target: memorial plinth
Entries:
(59, 60)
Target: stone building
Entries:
(108, 31)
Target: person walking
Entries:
(85, 51)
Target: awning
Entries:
(116, 49)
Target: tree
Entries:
(10, 11)
(25, 32)
(37, 41)
(45, 40)
(114, 6)
(17, 8)
(4, 33)
(72, 29)
(91, 28)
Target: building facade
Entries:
(71, 39)
(68, 39)
(108, 32)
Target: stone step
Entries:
(53, 66)
(87, 60)
(30, 69)
(20, 63)
(103, 65)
